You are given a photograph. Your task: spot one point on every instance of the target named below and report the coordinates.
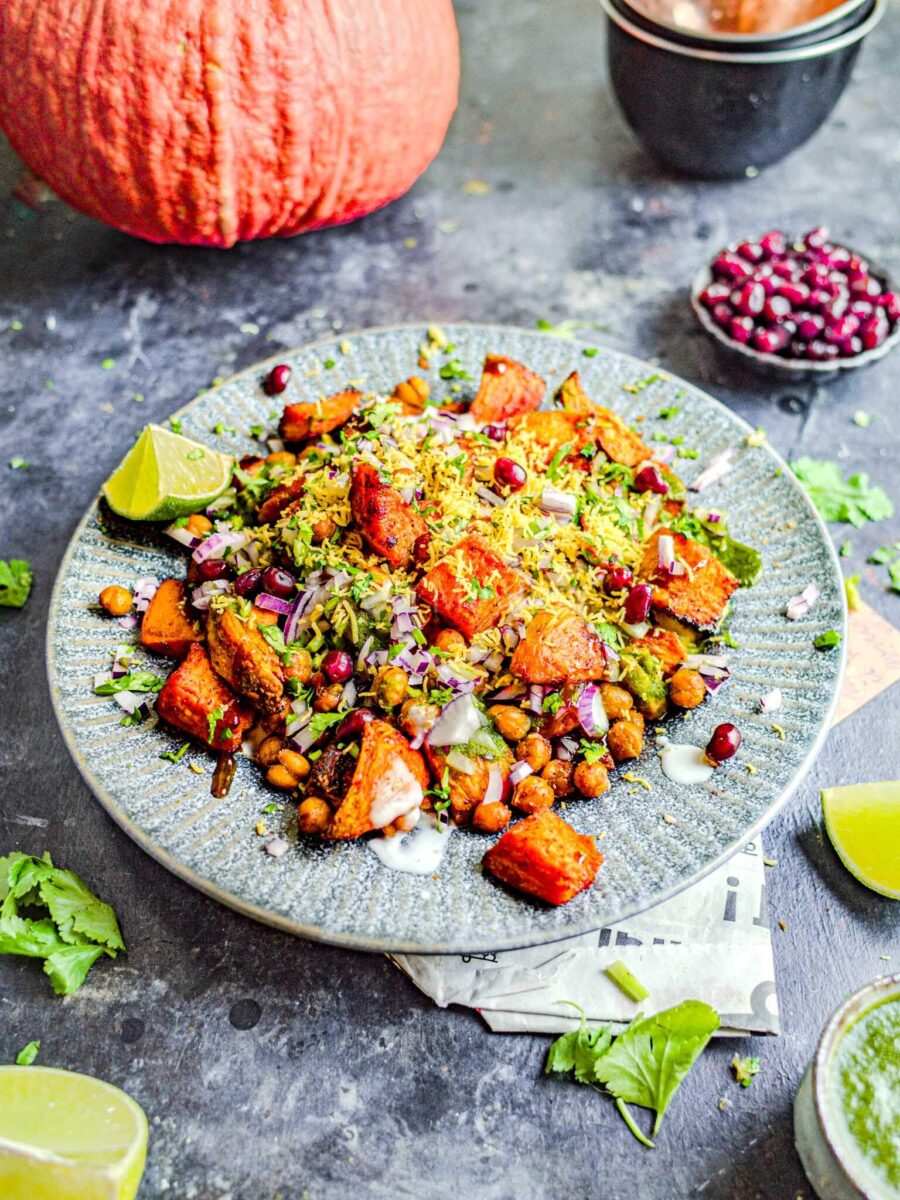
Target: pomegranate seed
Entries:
(729, 266)
(838, 331)
(278, 582)
(338, 666)
(785, 270)
(752, 251)
(873, 332)
(857, 267)
(773, 243)
(277, 380)
(749, 299)
(851, 347)
(809, 325)
(890, 301)
(618, 578)
(771, 341)
(775, 308)
(865, 286)
(741, 329)
(354, 724)
(862, 308)
(714, 293)
(816, 276)
(509, 474)
(637, 604)
(819, 297)
(724, 743)
(722, 313)
(495, 432)
(794, 293)
(821, 351)
(648, 479)
(817, 237)
(247, 584)
(213, 568)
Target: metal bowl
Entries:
(775, 366)
(717, 114)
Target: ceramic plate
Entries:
(656, 839)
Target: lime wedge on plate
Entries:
(863, 822)
(68, 1137)
(165, 476)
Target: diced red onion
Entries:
(712, 681)
(274, 604)
(348, 695)
(377, 599)
(494, 661)
(363, 651)
(771, 701)
(299, 706)
(591, 713)
(712, 672)
(128, 622)
(665, 553)
(217, 543)
(417, 742)
(132, 702)
(520, 771)
(201, 596)
(121, 662)
(297, 722)
(462, 763)
(511, 692)
(224, 501)
(182, 535)
(304, 739)
(276, 445)
(459, 721)
(535, 698)
(494, 789)
(719, 466)
(713, 517)
(665, 454)
(489, 497)
(509, 636)
(697, 662)
(476, 654)
(402, 625)
(377, 658)
(800, 605)
(408, 493)
(651, 512)
(276, 847)
(554, 501)
(564, 751)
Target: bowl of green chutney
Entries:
(847, 1111)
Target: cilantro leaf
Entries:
(15, 582)
(744, 1069)
(78, 912)
(852, 500)
(579, 1051)
(322, 721)
(68, 966)
(135, 681)
(28, 1054)
(827, 640)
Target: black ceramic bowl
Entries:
(775, 366)
(716, 114)
(841, 19)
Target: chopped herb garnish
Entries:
(108, 364)
(196, 454)
(852, 500)
(846, 548)
(18, 463)
(827, 640)
(175, 756)
(672, 410)
(454, 370)
(176, 425)
(322, 721)
(862, 419)
(744, 1069)
(15, 582)
(552, 702)
(556, 461)
(135, 681)
(28, 1054)
(590, 351)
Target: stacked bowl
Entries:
(720, 98)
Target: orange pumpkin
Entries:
(211, 123)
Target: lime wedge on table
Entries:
(68, 1137)
(165, 476)
(863, 822)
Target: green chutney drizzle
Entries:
(867, 1081)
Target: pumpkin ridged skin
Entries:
(208, 122)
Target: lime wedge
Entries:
(863, 822)
(68, 1137)
(165, 476)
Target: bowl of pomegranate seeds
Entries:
(808, 308)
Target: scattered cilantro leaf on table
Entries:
(578, 1051)
(15, 582)
(744, 1069)
(853, 500)
(28, 1054)
(827, 640)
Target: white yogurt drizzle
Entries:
(397, 792)
(417, 853)
(683, 763)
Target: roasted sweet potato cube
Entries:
(387, 523)
(544, 856)
(602, 425)
(299, 422)
(243, 657)
(665, 645)
(277, 501)
(166, 627)
(572, 396)
(195, 700)
(559, 646)
(506, 389)
(470, 588)
(551, 430)
(700, 596)
(390, 780)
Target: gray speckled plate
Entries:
(340, 893)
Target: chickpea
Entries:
(418, 717)
(391, 685)
(686, 688)
(535, 750)
(414, 392)
(328, 698)
(512, 723)
(617, 702)
(532, 794)
(274, 722)
(298, 666)
(296, 763)
(116, 600)
(281, 458)
(491, 818)
(251, 464)
(636, 718)
(280, 777)
(624, 740)
(591, 779)
(199, 525)
(559, 775)
(451, 642)
(313, 815)
(268, 750)
(323, 528)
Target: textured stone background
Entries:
(270, 1067)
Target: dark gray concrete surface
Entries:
(270, 1067)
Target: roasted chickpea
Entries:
(298, 666)
(281, 458)
(414, 392)
(451, 641)
(418, 717)
(491, 818)
(535, 750)
(686, 688)
(391, 686)
(323, 528)
(313, 815)
(512, 723)
(296, 763)
(198, 524)
(328, 698)
(274, 722)
(532, 794)
(636, 718)
(624, 740)
(268, 750)
(280, 777)
(116, 600)
(559, 775)
(617, 702)
(591, 779)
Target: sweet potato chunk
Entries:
(572, 396)
(545, 857)
(166, 627)
(558, 646)
(390, 780)
(387, 523)
(664, 645)
(701, 595)
(618, 442)
(195, 700)
(243, 657)
(470, 588)
(506, 390)
(551, 430)
(299, 422)
(277, 501)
